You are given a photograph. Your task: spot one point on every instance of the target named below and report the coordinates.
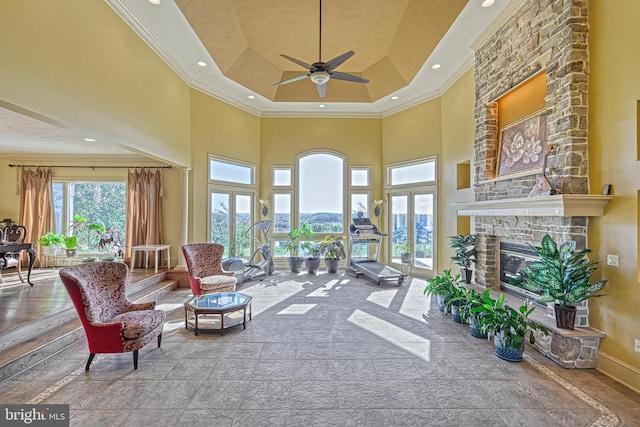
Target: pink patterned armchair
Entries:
(111, 322)
(204, 261)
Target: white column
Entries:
(184, 216)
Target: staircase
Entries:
(31, 343)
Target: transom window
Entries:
(421, 171)
(231, 171)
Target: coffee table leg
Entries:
(244, 318)
(196, 316)
(222, 324)
(186, 318)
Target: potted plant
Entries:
(562, 277)
(108, 240)
(293, 246)
(332, 248)
(467, 300)
(457, 294)
(442, 287)
(71, 245)
(508, 326)
(464, 253)
(406, 252)
(51, 240)
(312, 251)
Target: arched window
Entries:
(321, 192)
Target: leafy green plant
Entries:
(562, 275)
(443, 286)
(293, 239)
(333, 248)
(507, 324)
(51, 239)
(464, 250)
(70, 242)
(467, 300)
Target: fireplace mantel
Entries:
(558, 205)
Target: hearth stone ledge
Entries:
(570, 349)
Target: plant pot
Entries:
(467, 274)
(332, 265)
(295, 264)
(565, 316)
(71, 252)
(441, 302)
(509, 354)
(313, 265)
(455, 313)
(405, 258)
(474, 328)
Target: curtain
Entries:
(144, 210)
(36, 203)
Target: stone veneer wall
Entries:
(556, 32)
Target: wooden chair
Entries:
(13, 234)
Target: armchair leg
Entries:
(91, 356)
(135, 359)
(159, 340)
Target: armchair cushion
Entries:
(136, 324)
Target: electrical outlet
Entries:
(612, 260)
(637, 346)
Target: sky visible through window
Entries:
(321, 183)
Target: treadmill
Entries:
(362, 231)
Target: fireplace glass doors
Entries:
(513, 260)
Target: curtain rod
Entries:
(89, 167)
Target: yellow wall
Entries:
(458, 132)
(411, 134)
(221, 129)
(282, 139)
(78, 63)
(613, 93)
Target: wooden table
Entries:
(150, 248)
(7, 248)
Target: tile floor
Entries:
(324, 351)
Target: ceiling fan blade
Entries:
(322, 89)
(338, 60)
(291, 80)
(348, 77)
(297, 61)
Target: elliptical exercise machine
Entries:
(264, 267)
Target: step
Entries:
(47, 336)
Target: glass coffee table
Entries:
(214, 308)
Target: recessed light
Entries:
(435, 66)
(394, 97)
(321, 105)
(487, 3)
(154, 1)
(90, 140)
(202, 63)
(251, 97)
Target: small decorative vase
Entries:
(71, 252)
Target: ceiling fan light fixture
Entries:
(320, 77)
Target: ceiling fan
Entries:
(320, 72)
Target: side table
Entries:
(150, 248)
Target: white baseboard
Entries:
(619, 371)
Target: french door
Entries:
(231, 214)
(412, 226)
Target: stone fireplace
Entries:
(550, 39)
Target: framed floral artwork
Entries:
(522, 144)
